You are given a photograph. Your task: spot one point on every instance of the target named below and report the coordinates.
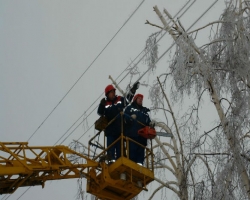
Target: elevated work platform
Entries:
(122, 180)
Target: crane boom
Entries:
(21, 165)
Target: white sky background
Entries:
(47, 45)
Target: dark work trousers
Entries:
(114, 152)
(137, 152)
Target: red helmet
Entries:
(136, 96)
(108, 89)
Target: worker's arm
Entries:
(127, 116)
(131, 93)
(101, 107)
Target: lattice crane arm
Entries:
(22, 165)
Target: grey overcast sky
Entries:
(47, 45)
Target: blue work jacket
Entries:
(132, 126)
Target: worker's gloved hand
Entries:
(103, 102)
(133, 116)
(135, 87)
(152, 124)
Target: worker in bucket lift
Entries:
(110, 107)
(136, 118)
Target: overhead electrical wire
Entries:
(163, 53)
(119, 76)
(159, 40)
(77, 121)
(155, 62)
(128, 65)
(160, 33)
(86, 69)
(125, 76)
(190, 26)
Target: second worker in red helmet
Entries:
(136, 117)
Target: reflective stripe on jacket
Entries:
(111, 110)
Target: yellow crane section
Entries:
(123, 179)
(21, 165)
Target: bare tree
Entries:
(213, 164)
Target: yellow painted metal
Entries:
(109, 183)
(22, 165)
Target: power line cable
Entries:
(174, 42)
(164, 53)
(191, 25)
(77, 121)
(187, 9)
(125, 76)
(80, 124)
(203, 14)
(160, 33)
(120, 75)
(86, 69)
(158, 41)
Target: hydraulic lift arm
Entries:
(21, 165)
